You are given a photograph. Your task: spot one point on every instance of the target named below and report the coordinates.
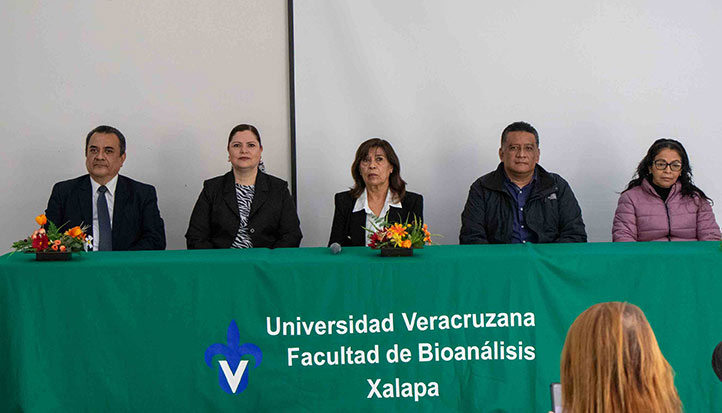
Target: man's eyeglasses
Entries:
(661, 165)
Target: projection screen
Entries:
(440, 80)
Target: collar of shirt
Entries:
(109, 197)
(512, 185)
(362, 203)
(110, 185)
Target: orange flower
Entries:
(398, 229)
(54, 247)
(75, 232)
(427, 235)
(406, 243)
(62, 248)
(56, 242)
(41, 219)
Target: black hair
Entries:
(717, 360)
(106, 129)
(244, 127)
(685, 176)
(519, 126)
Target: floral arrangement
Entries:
(407, 235)
(53, 240)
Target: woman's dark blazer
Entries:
(347, 228)
(272, 222)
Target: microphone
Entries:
(717, 361)
(335, 248)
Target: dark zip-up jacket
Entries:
(551, 213)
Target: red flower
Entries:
(40, 242)
(374, 240)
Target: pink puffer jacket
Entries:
(643, 216)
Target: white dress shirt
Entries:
(374, 222)
(109, 198)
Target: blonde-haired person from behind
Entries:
(611, 363)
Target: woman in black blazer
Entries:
(378, 190)
(245, 208)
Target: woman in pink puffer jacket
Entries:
(662, 203)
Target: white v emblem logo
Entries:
(233, 379)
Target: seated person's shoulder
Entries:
(412, 197)
(344, 196)
(135, 183)
(65, 188)
(276, 183)
(558, 179)
(630, 194)
(69, 183)
(493, 178)
(137, 186)
(214, 182)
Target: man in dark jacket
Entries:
(520, 201)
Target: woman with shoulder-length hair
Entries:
(245, 208)
(378, 190)
(661, 203)
(611, 363)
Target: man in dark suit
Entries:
(122, 214)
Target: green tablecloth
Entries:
(129, 331)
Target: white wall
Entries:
(173, 76)
(440, 80)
